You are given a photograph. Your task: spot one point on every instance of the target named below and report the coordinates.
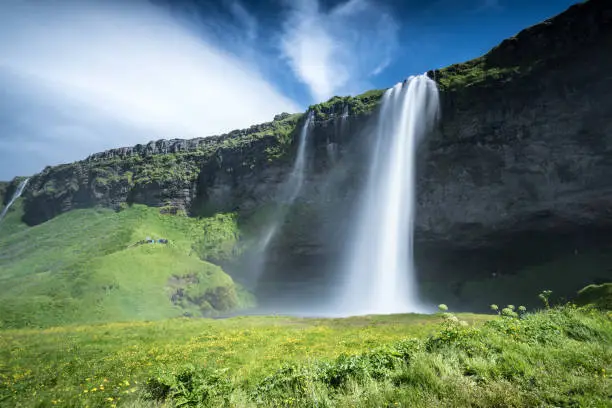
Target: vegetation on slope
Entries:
(88, 266)
(358, 105)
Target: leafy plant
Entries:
(544, 296)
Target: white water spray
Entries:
(16, 195)
(380, 275)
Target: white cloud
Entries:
(111, 74)
(335, 51)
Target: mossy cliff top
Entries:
(542, 47)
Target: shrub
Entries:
(191, 387)
(544, 296)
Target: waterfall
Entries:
(380, 276)
(289, 191)
(293, 184)
(16, 195)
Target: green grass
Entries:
(85, 266)
(558, 357)
(38, 366)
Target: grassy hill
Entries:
(88, 266)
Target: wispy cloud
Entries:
(248, 22)
(334, 51)
(86, 75)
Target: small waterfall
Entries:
(379, 276)
(16, 195)
(293, 184)
(340, 126)
(286, 195)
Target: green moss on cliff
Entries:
(354, 105)
(472, 73)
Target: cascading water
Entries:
(379, 276)
(16, 195)
(293, 184)
(332, 147)
(287, 194)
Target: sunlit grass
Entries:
(70, 363)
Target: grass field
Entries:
(62, 363)
(556, 358)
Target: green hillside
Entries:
(91, 266)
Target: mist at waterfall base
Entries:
(375, 272)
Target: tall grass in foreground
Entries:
(557, 357)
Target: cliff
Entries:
(522, 156)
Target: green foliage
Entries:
(218, 239)
(544, 296)
(442, 307)
(473, 72)
(192, 388)
(70, 363)
(356, 105)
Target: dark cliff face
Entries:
(530, 149)
(523, 153)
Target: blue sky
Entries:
(80, 76)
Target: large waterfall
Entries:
(15, 196)
(379, 276)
